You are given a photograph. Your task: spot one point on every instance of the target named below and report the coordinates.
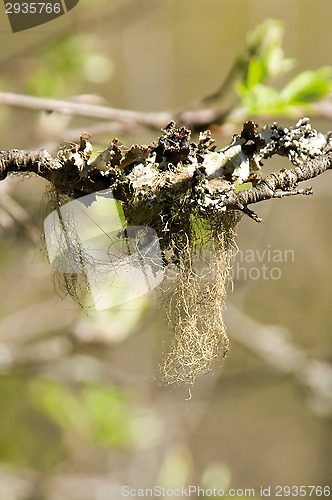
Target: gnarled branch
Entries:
(173, 170)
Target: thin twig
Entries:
(272, 344)
(197, 119)
(280, 184)
(17, 212)
(226, 84)
(155, 120)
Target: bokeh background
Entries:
(83, 411)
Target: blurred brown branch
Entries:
(153, 120)
(195, 119)
(273, 344)
(15, 212)
(194, 116)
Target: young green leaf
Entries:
(307, 86)
(256, 72)
(265, 56)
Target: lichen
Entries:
(197, 304)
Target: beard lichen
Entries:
(166, 188)
(196, 306)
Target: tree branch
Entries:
(271, 343)
(22, 162)
(152, 119)
(153, 179)
(194, 116)
(195, 119)
(280, 184)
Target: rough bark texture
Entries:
(151, 180)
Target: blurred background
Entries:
(83, 410)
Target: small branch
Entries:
(251, 214)
(225, 86)
(197, 119)
(154, 120)
(194, 116)
(273, 344)
(280, 184)
(62, 174)
(18, 213)
(18, 161)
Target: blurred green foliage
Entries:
(264, 62)
(19, 441)
(97, 413)
(38, 416)
(60, 68)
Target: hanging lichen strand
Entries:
(196, 307)
(186, 226)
